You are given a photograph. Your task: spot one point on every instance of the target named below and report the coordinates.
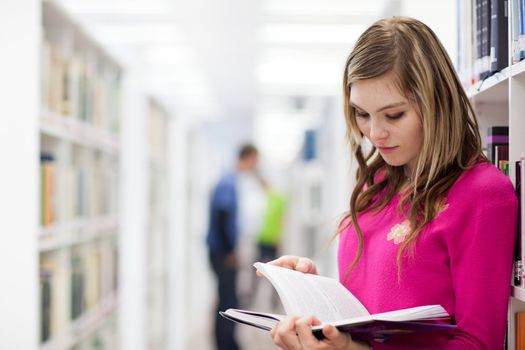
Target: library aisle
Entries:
(120, 116)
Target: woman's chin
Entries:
(393, 162)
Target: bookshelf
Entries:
(74, 192)
(498, 100)
(78, 238)
(157, 223)
(516, 149)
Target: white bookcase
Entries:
(85, 201)
(516, 102)
(500, 100)
(78, 241)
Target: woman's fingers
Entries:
(286, 261)
(306, 265)
(285, 336)
(335, 338)
(303, 326)
(295, 333)
(301, 264)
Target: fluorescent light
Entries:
(139, 33)
(117, 7)
(173, 88)
(311, 34)
(184, 75)
(324, 7)
(299, 74)
(295, 67)
(169, 55)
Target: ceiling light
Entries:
(323, 7)
(281, 33)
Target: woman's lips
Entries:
(387, 149)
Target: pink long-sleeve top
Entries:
(462, 261)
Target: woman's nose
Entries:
(378, 131)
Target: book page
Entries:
(307, 294)
(425, 312)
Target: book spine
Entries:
(45, 304)
(518, 262)
(48, 179)
(485, 39)
(521, 39)
(499, 35)
(522, 222)
(520, 330)
(514, 18)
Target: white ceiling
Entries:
(214, 58)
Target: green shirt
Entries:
(272, 223)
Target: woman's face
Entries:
(388, 120)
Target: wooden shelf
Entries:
(85, 325)
(63, 235)
(69, 129)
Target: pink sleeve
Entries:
(481, 268)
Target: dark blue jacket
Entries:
(223, 231)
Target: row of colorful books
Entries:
(71, 284)
(71, 191)
(77, 81)
(498, 147)
(483, 37)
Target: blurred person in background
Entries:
(222, 240)
(252, 203)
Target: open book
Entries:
(329, 301)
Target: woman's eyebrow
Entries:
(390, 105)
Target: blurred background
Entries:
(119, 118)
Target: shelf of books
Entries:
(157, 241)
(492, 68)
(79, 161)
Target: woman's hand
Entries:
(297, 263)
(295, 333)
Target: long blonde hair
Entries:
(451, 141)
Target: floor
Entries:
(249, 338)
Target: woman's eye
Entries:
(361, 114)
(395, 116)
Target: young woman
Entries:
(431, 221)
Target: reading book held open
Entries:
(331, 302)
